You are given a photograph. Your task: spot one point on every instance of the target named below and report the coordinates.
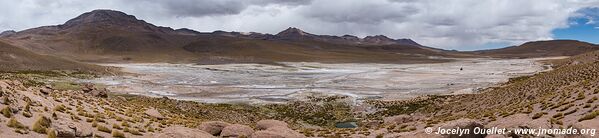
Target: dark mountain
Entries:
(113, 36)
(105, 19)
(541, 49)
(7, 33)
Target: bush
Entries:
(60, 108)
(538, 115)
(117, 134)
(27, 114)
(51, 133)
(41, 125)
(103, 129)
(590, 116)
(6, 112)
(16, 124)
(115, 126)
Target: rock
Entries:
(463, 124)
(154, 113)
(94, 91)
(83, 131)
(587, 124)
(213, 127)
(45, 90)
(265, 124)
(88, 87)
(103, 93)
(64, 131)
(397, 120)
(277, 132)
(183, 132)
(237, 130)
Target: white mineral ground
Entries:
(261, 83)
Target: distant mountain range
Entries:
(114, 36)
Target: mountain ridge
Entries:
(114, 36)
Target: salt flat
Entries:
(256, 83)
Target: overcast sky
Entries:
(449, 24)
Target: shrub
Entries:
(16, 124)
(27, 114)
(51, 133)
(60, 108)
(134, 132)
(115, 126)
(41, 125)
(590, 116)
(117, 134)
(538, 115)
(103, 129)
(6, 112)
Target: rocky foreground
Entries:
(90, 112)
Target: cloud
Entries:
(450, 24)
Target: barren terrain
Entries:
(255, 83)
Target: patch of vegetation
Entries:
(590, 116)
(6, 112)
(16, 124)
(41, 125)
(117, 134)
(103, 129)
(51, 133)
(538, 115)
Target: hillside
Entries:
(561, 98)
(16, 59)
(113, 36)
(541, 49)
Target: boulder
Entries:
(213, 127)
(102, 93)
(45, 90)
(587, 125)
(183, 132)
(237, 130)
(83, 130)
(463, 124)
(398, 119)
(154, 113)
(265, 124)
(88, 87)
(277, 132)
(64, 131)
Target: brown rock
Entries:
(463, 124)
(265, 124)
(103, 93)
(183, 132)
(64, 131)
(587, 124)
(154, 113)
(88, 87)
(237, 130)
(398, 119)
(277, 132)
(45, 90)
(213, 127)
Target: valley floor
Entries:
(260, 83)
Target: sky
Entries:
(447, 24)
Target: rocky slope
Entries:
(541, 49)
(16, 59)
